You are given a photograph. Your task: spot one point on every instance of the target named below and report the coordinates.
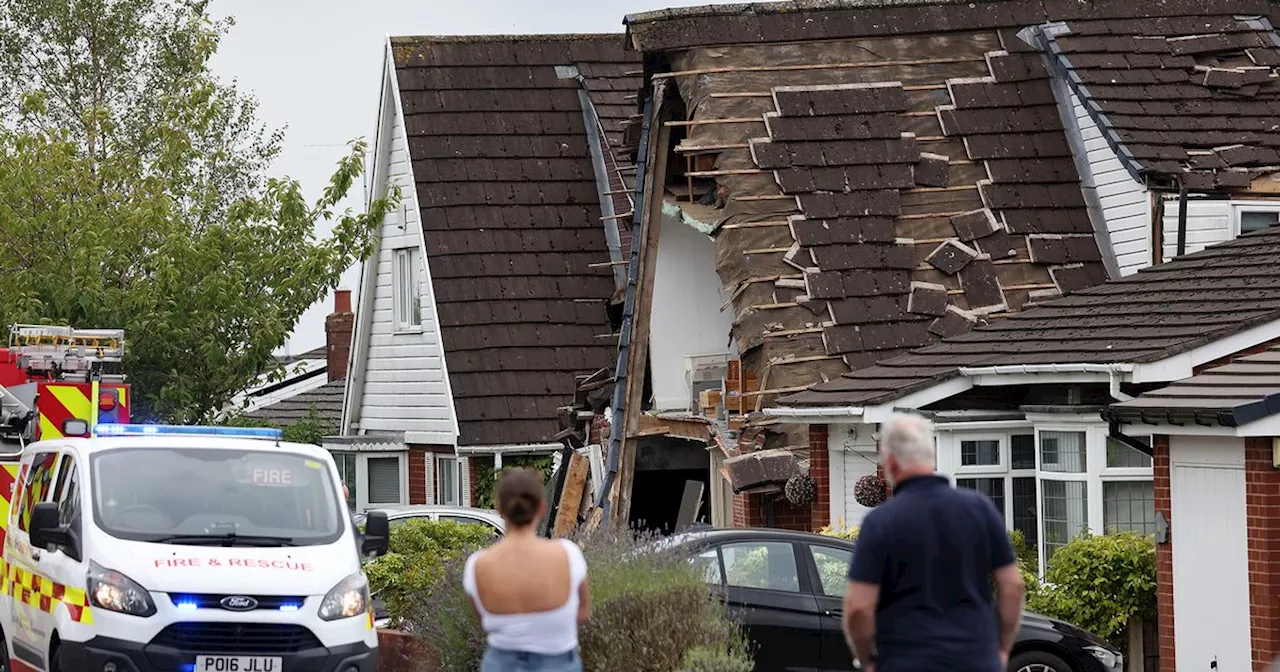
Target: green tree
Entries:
(133, 195)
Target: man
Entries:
(919, 595)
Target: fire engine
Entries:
(54, 382)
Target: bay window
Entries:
(1001, 466)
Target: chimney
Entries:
(337, 332)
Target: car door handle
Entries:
(833, 613)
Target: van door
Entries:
(65, 568)
(31, 624)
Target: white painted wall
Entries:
(852, 454)
(1208, 223)
(686, 317)
(1125, 203)
(1209, 530)
(399, 382)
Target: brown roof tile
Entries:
(511, 217)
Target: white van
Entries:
(184, 549)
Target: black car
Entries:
(787, 588)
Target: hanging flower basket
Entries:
(870, 491)
(800, 490)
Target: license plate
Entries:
(239, 664)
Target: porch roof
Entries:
(1233, 395)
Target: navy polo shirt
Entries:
(931, 549)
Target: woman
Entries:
(530, 593)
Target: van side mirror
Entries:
(377, 534)
(44, 528)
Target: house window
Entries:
(1129, 506)
(384, 480)
(1066, 513)
(1249, 217)
(407, 288)
(1063, 452)
(979, 453)
(1002, 467)
(347, 472)
(993, 488)
(373, 479)
(449, 478)
(1120, 456)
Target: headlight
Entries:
(113, 591)
(1107, 658)
(349, 598)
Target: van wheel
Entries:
(1038, 661)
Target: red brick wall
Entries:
(820, 472)
(1164, 555)
(418, 476)
(1262, 487)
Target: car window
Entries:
(767, 565)
(707, 564)
(833, 569)
(467, 520)
(397, 522)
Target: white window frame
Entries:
(1003, 457)
(949, 443)
(402, 323)
(1238, 208)
(362, 479)
(457, 473)
(1119, 474)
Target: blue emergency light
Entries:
(189, 430)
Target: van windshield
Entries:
(216, 497)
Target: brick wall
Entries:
(1262, 487)
(820, 472)
(1164, 555)
(418, 476)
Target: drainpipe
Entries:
(1182, 217)
(1115, 388)
(628, 311)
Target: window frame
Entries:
(802, 582)
(457, 480)
(1003, 457)
(362, 478)
(401, 323)
(1239, 208)
(1005, 471)
(818, 589)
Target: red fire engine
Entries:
(53, 382)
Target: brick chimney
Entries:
(337, 333)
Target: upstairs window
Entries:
(1250, 217)
(406, 290)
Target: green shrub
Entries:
(485, 480)
(418, 551)
(650, 608)
(707, 659)
(1098, 582)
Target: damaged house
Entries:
(495, 290)
(868, 178)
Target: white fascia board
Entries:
(358, 357)
(1183, 365)
(1039, 379)
(375, 444)
(430, 438)
(1264, 427)
(510, 449)
(1189, 429)
(1066, 418)
(980, 426)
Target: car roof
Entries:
(98, 444)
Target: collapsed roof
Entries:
(891, 173)
(1152, 315)
(511, 216)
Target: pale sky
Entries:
(314, 66)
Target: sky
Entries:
(315, 68)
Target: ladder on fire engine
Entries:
(63, 352)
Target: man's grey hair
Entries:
(909, 437)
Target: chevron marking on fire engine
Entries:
(44, 593)
(68, 402)
(8, 476)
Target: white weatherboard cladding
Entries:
(1126, 205)
(1208, 527)
(1208, 223)
(852, 453)
(686, 316)
(402, 383)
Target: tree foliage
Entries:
(310, 428)
(133, 195)
(1098, 582)
(486, 480)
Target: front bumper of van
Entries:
(105, 654)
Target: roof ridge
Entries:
(487, 39)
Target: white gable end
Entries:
(398, 381)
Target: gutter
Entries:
(1034, 369)
(816, 413)
(628, 311)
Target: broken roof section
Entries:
(892, 173)
(1152, 315)
(1192, 99)
(511, 216)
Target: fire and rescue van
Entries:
(183, 549)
